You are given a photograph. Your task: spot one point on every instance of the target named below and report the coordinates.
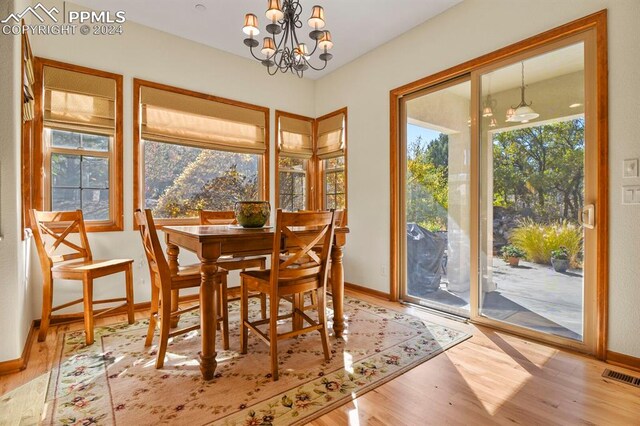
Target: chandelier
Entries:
(286, 52)
(523, 112)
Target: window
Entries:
(294, 162)
(334, 183)
(332, 155)
(78, 143)
(79, 170)
(196, 151)
(292, 188)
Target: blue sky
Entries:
(414, 131)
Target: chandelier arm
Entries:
(275, 71)
(318, 69)
(253, 54)
(314, 48)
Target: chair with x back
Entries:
(235, 263)
(75, 263)
(298, 233)
(164, 282)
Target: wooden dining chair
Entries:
(75, 263)
(291, 278)
(235, 263)
(338, 219)
(164, 282)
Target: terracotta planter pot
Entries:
(513, 261)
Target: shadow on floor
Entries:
(498, 307)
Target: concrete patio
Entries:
(530, 295)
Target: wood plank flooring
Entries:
(492, 378)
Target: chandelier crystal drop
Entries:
(283, 50)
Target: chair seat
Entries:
(93, 266)
(260, 281)
(190, 272)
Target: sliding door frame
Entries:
(595, 23)
(402, 173)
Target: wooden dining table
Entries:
(210, 242)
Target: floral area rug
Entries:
(114, 381)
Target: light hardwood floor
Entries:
(492, 378)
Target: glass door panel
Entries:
(532, 192)
(436, 170)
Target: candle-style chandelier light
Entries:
(288, 53)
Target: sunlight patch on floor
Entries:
(354, 418)
(348, 362)
(499, 384)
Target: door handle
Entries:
(586, 216)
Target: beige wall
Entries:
(142, 52)
(468, 30)
(15, 290)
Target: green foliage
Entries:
(164, 163)
(541, 169)
(560, 254)
(214, 181)
(428, 183)
(512, 251)
(539, 240)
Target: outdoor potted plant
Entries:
(560, 259)
(512, 254)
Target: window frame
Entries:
(321, 198)
(138, 147)
(325, 173)
(41, 161)
(78, 152)
(310, 165)
(292, 171)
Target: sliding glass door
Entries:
(498, 188)
(536, 195)
(436, 227)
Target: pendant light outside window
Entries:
(523, 113)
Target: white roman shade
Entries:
(331, 137)
(189, 120)
(78, 101)
(295, 138)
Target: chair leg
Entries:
(219, 308)
(153, 317)
(47, 301)
(263, 297)
(314, 299)
(298, 304)
(263, 306)
(273, 335)
(244, 315)
(322, 319)
(175, 301)
(165, 325)
(87, 287)
(129, 284)
(224, 312)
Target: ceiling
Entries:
(539, 68)
(357, 26)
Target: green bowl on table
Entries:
(252, 214)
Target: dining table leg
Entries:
(208, 316)
(337, 289)
(172, 254)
